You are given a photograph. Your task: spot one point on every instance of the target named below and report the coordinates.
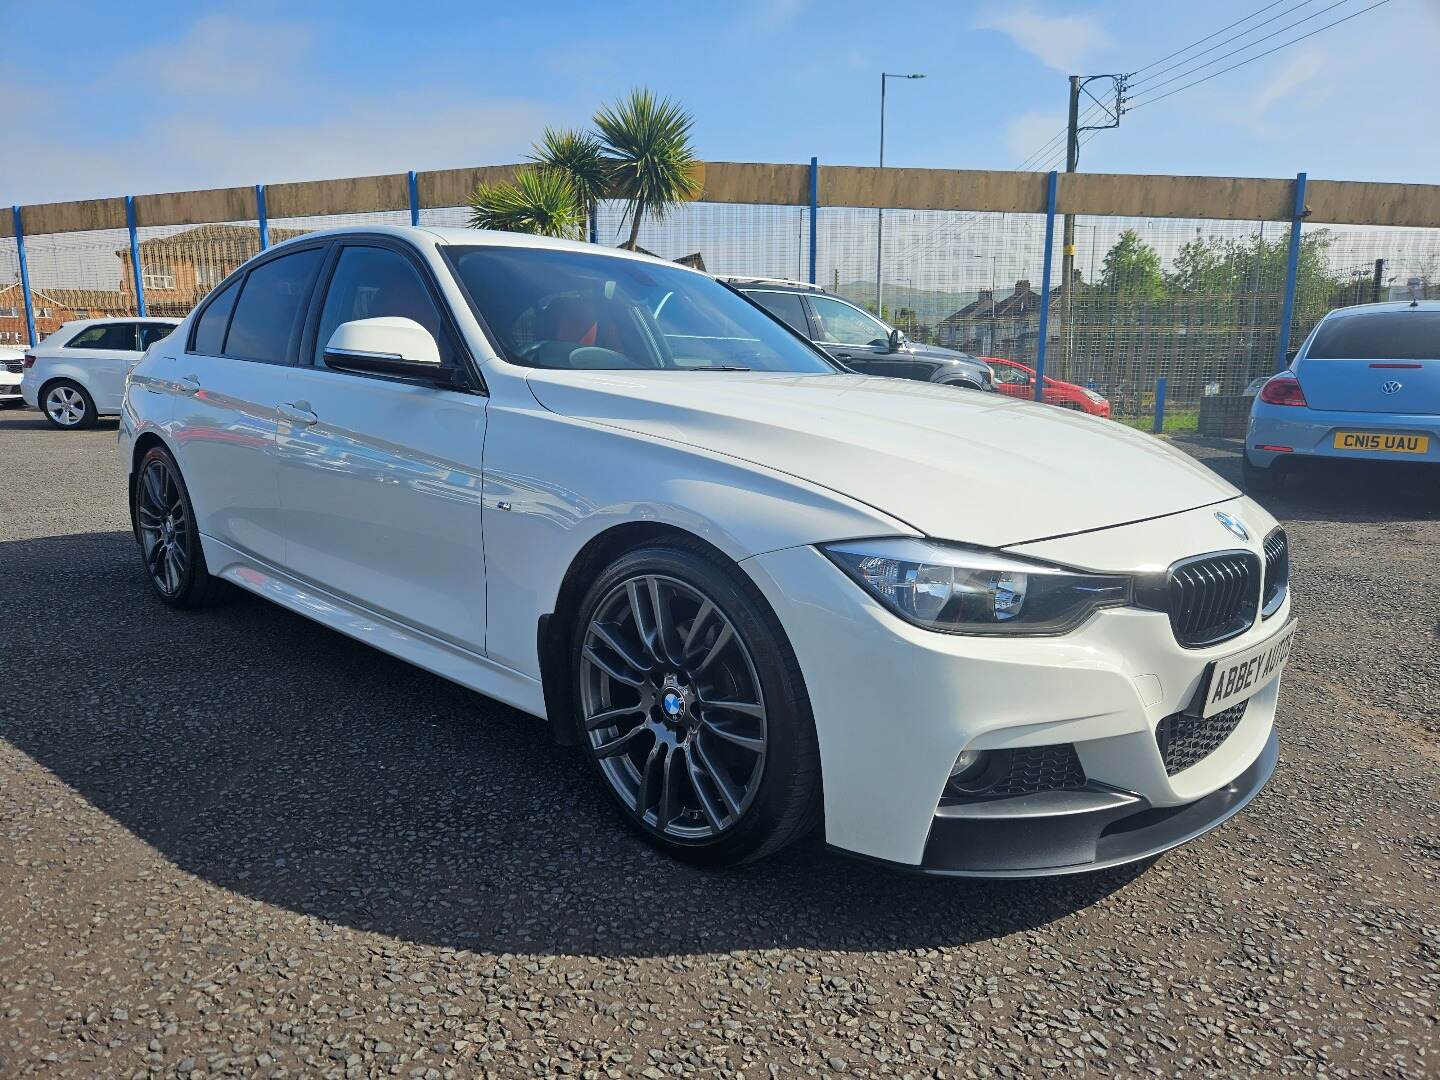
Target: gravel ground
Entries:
(236, 843)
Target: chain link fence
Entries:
(1196, 302)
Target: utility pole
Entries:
(1072, 163)
(1377, 281)
(1067, 258)
(880, 211)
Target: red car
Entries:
(1017, 380)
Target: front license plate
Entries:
(1242, 674)
(1382, 442)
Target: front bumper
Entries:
(1067, 832)
(1311, 433)
(895, 704)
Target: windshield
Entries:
(1395, 334)
(571, 309)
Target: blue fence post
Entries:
(414, 186)
(262, 217)
(1050, 191)
(1292, 273)
(135, 256)
(1159, 405)
(814, 206)
(24, 276)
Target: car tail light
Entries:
(29, 360)
(1283, 389)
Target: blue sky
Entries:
(101, 101)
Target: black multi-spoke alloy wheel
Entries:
(691, 704)
(67, 405)
(169, 540)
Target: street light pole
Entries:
(880, 211)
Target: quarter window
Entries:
(153, 332)
(269, 303)
(210, 329)
(838, 323)
(372, 282)
(784, 306)
(116, 337)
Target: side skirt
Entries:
(401, 640)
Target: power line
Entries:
(1248, 45)
(1243, 33)
(1258, 56)
(1207, 37)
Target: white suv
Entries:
(77, 374)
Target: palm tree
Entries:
(578, 156)
(538, 201)
(647, 140)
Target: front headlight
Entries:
(969, 591)
(1093, 396)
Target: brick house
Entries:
(179, 270)
(1008, 326)
(54, 307)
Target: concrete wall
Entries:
(1215, 197)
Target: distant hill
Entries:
(930, 305)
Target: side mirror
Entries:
(391, 345)
(896, 340)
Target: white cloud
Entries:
(216, 120)
(1028, 132)
(1295, 73)
(1061, 42)
(223, 56)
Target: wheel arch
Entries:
(143, 444)
(553, 629)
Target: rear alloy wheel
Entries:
(66, 405)
(169, 540)
(689, 712)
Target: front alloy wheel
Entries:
(67, 406)
(691, 704)
(673, 707)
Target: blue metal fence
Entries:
(1113, 334)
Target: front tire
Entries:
(68, 405)
(169, 539)
(691, 705)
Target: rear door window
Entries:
(210, 329)
(269, 306)
(113, 337)
(1397, 334)
(787, 307)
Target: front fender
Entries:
(553, 483)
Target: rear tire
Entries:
(1258, 479)
(697, 720)
(169, 539)
(67, 405)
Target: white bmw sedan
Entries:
(968, 634)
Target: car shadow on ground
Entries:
(1328, 490)
(285, 762)
(33, 420)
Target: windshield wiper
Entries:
(720, 367)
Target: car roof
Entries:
(80, 324)
(1386, 306)
(774, 284)
(429, 236)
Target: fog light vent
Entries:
(1000, 773)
